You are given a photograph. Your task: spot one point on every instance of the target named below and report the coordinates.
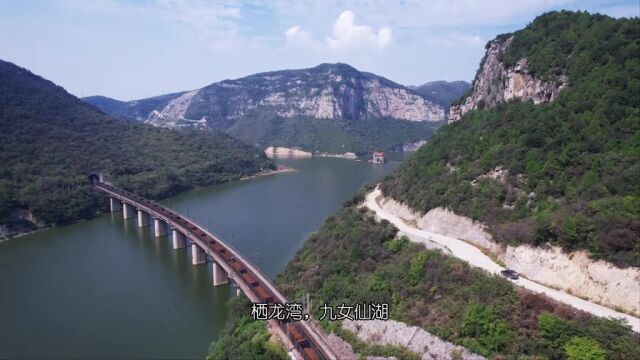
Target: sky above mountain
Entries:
(136, 49)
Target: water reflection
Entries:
(108, 289)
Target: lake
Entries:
(107, 289)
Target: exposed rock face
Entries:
(321, 109)
(341, 348)
(283, 152)
(413, 146)
(443, 221)
(575, 273)
(328, 91)
(391, 332)
(172, 115)
(496, 83)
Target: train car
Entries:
(296, 334)
(263, 295)
(249, 279)
(310, 353)
(228, 257)
(237, 266)
(217, 247)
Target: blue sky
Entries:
(135, 49)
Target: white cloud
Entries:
(421, 13)
(213, 23)
(347, 35)
(295, 35)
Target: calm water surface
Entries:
(108, 289)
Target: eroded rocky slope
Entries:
(496, 83)
(328, 91)
(575, 273)
(329, 108)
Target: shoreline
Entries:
(21, 234)
(280, 169)
(281, 152)
(349, 156)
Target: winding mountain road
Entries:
(476, 257)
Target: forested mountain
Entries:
(355, 259)
(328, 108)
(562, 172)
(443, 93)
(50, 140)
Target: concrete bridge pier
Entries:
(159, 227)
(197, 255)
(143, 218)
(178, 239)
(115, 204)
(220, 277)
(128, 211)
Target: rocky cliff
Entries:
(328, 91)
(574, 273)
(496, 83)
(331, 108)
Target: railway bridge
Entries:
(302, 339)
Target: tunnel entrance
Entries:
(94, 177)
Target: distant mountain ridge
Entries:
(337, 106)
(442, 93)
(130, 110)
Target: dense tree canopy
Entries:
(50, 140)
(573, 164)
(353, 258)
(245, 338)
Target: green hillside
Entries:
(573, 164)
(280, 108)
(355, 259)
(333, 136)
(50, 140)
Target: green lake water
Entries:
(108, 289)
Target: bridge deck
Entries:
(253, 283)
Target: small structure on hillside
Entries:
(378, 157)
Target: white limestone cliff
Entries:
(337, 98)
(496, 83)
(173, 114)
(575, 273)
(283, 152)
(417, 340)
